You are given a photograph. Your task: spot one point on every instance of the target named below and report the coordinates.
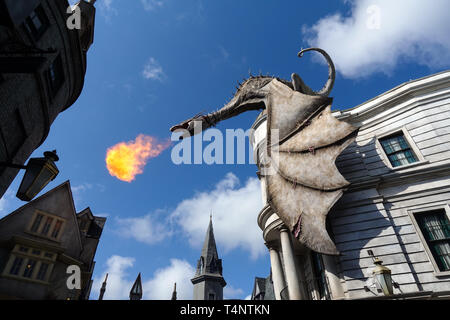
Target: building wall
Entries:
(377, 216)
(376, 211)
(72, 247)
(28, 107)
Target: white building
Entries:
(397, 206)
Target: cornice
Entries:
(408, 91)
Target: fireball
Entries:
(125, 160)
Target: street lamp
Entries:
(39, 172)
(382, 275)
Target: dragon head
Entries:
(187, 127)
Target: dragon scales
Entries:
(304, 182)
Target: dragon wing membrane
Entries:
(304, 182)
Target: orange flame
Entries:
(125, 160)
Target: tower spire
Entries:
(208, 280)
(136, 290)
(103, 288)
(209, 250)
(174, 293)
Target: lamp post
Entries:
(39, 172)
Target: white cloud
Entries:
(152, 4)
(118, 285)
(153, 70)
(160, 287)
(381, 33)
(5, 203)
(107, 9)
(235, 209)
(146, 229)
(80, 188)
(229, 292)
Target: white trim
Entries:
(412, 213)
(416, 151)
(396, 100)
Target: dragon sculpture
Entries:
(304, 182)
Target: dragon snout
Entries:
(186, 127)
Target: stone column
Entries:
(290, 269)
(277, 272)
(336, 289)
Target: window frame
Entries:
(423, 210)
(27, 257)
(409, 140)
(42, 223)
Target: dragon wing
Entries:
(304, 182)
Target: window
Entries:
(48, 255)
(29, 268)
(16, 266)
(23, 249)
(319, 275)
(56, 229)
(55, 76)
(47, 225)
(398, 150)
(42, 272)
(27, 263)
(202, 265)
(435, 228)
(37, 222)
(37, 23)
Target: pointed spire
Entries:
(103, 288)
(136, 290)
(209, 250)
(174, 293)
(209, 270)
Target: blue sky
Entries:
(156, 63)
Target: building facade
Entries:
(41, 240)
(263, 289)
(42, 70)
(208, 280)
(397, 207)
